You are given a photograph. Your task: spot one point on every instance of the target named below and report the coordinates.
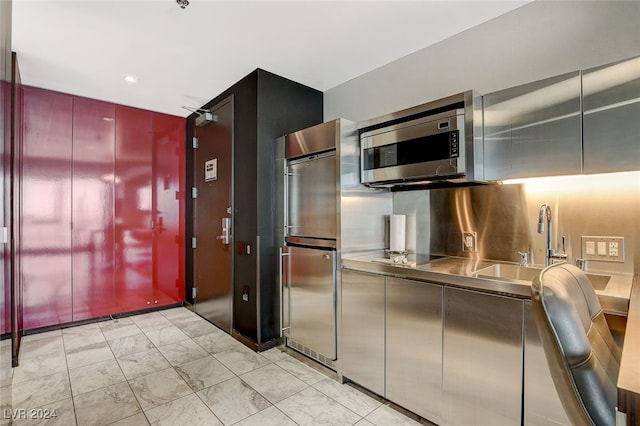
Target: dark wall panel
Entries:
(284, 106)
(266, 107)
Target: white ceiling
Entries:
(187, 57)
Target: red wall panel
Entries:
(5, 182)
(46, 208)
(133, 209)
(117, 174)
(168, 186)
(93, 208)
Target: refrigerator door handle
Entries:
(286, 200)
(283, 329)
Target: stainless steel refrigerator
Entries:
(308, 257)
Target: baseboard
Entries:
(96, 320)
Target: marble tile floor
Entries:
(174, 368)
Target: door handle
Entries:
(226, 231)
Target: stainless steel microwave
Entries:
(425, 144)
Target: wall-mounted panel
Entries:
(5, 219)
(133, 209)
(93, 208)
(46, 208)
(168, 202)
(534, 129)
(611, 107)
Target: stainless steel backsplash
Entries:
(505, 217)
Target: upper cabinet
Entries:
(534, 129)
(611, 112)
(579, 122)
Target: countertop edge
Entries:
(613, 303)
(629, 374)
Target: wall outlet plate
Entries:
(604, 249)
(469, 241)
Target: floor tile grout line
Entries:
(104, 387)
(342, 384)
(213, 355)
(139, 405)
(66, 362)
(157, 348)
(207, 405)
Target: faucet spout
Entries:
(545, 210)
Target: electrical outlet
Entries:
(469, 241)
(245, 293)
(605, 249)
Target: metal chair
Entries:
(583, 358)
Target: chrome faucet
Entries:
(524, 258)
(550, 253)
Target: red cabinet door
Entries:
(133, 209)
(46, 208)
(93, 208)
(168, 203)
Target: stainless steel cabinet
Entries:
(611, 107)
(311, 302)
(362, 329)
(533, 129)
(414, 346)
(482, 359)
(542, 404)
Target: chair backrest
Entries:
(583, 358)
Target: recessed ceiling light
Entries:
(130, 78)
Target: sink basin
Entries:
(528, 273)
(599, 282)
(510, 272)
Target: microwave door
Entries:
(312, 198)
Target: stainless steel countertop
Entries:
(459, 272)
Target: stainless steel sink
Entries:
(528, 273)
(599, 282)
(509, 272)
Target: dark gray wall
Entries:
(266, 106)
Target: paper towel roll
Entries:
(397, 232)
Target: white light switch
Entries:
(603, 248)
(4, 235)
